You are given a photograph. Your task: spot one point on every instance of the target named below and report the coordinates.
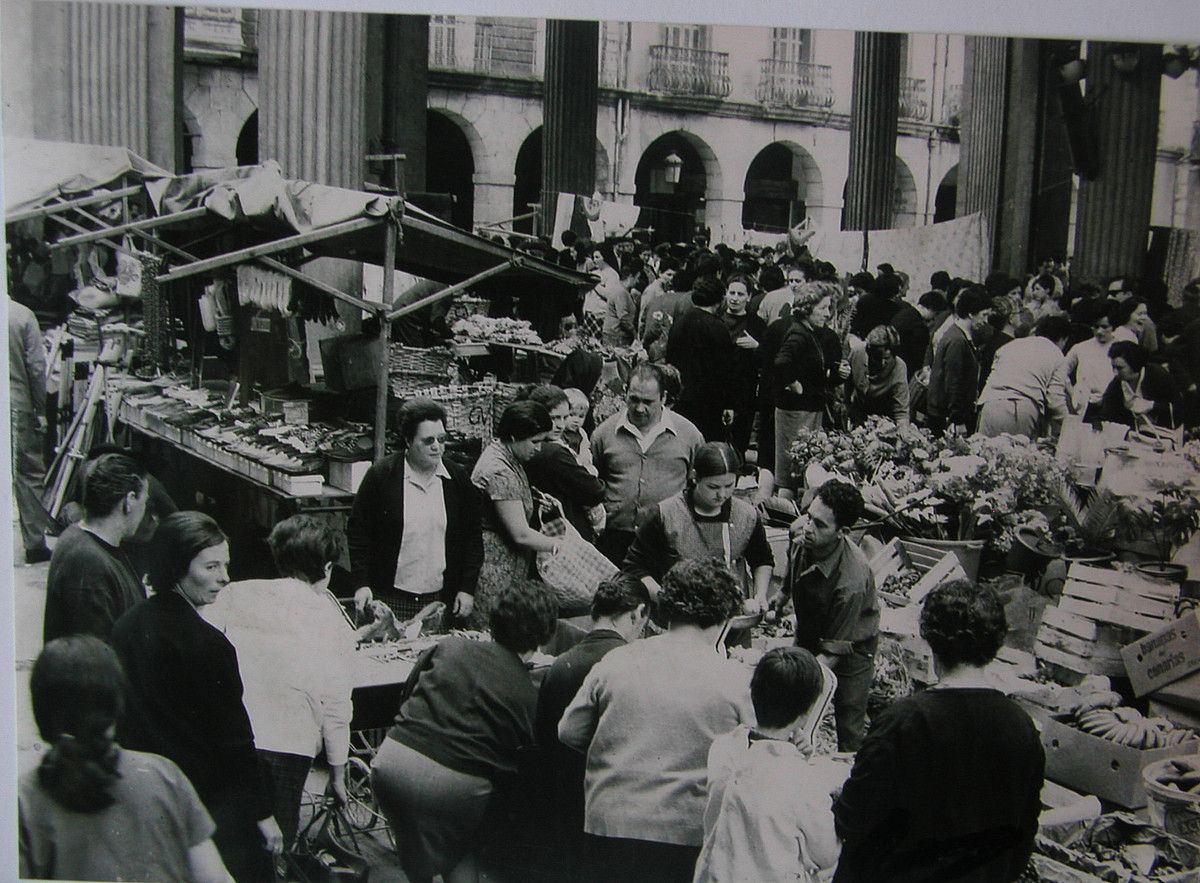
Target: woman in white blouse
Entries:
(295, 651)
(1088, 365)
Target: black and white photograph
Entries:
(866, 343)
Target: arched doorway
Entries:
(450, 167)
(527, 188)
(671, 182)
(944, 201)
(905, 211)
(247, 142)
(782, 184)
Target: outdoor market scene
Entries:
(650, 514)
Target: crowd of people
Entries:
(665, 760)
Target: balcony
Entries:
(914, 99)
(952, 106)
(794, 84)
(677, 70)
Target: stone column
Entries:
(164, 42)
(874, 109)
(311, 68)
(981, 158)
(1113, 210)
(1024, 105)
(397, 95)
(569, 133)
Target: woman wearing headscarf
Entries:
(879, 377)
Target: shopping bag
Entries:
(578, 567)
(320, 854)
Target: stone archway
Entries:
(946, 198)
(905, 212)
(527, 186)
(450, 165)
(247, 142)
(782, 183)
(676, 210)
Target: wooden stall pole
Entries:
(385, 328)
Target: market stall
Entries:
(217, 266)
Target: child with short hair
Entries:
(769, 814)
(576, 439)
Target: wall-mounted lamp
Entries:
(1073, 71)
(1125, 58)
(674, 168)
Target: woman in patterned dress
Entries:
(509, 541)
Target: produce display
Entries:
(900, 584)
(1118, 848)
(500, 330)
(1102, 715)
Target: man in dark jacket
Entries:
(954, 372)
(914, 336)
(414, 533)
(699, 346)
(876, 307)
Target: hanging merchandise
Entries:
(216, 312)
(264, 289)
(156, 315)
(129, 271)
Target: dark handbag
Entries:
(328, 850)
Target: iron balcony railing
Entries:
(914, 98)
(794, 84)
(677, 70)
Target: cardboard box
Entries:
(1183, 693)
(1098, 766)
(1180, 717)
(348, 476)
(1164, 656)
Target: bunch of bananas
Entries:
(1127, 726)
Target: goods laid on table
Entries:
(484, 329)
(267, 448)
(1117, 847)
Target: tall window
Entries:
(686, 36)
(791, 44)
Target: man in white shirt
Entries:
(414, 532)
(774, 303)
(642, 455)
(1027, 387)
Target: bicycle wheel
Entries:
(362, 810)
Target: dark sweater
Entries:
(954, 378)
(185, 703)
(555, 471)
(699, 345)
(470, 707)
(89, 587)
(871, 310)
(801, 358)
(652, 554)
(914, 337)
(947, 781)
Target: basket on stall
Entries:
(413, 368)
(468, 407)
(505, 394)
(465, 307)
